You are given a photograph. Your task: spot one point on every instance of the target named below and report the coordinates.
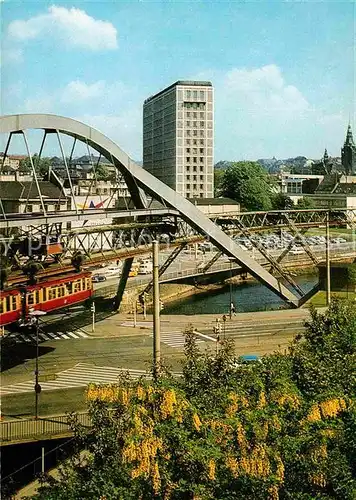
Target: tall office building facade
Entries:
(178, 137)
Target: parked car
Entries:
(247, 360)
(112, 271)
(98, 278)
(146, 267)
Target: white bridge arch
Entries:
(138, 180)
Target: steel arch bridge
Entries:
(139, 183)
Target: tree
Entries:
(249, 184)
(278, 429)
(281, 201)
(305, 203)
(102, 173)
(42, 165)
(218, 177)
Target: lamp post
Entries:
(230, 305)
(36, 315)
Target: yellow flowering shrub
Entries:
(197, 422)
(318, 479)
(168, 403)
(273, 492)
(261, 400)
(233, 405)
(326, 409)
(232, 465)
(332, 407)
(291, 400)
(211, 470)
(319, 452)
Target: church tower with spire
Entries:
(348, 154)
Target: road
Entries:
(66, 365)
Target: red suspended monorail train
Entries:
(47, 296)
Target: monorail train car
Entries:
(46, 296)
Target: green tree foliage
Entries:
(281, 201)
(305, 203)
(41, 165)
(218, 177)
(280, 429)
(102, 173)
(249, 184)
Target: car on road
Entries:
(98, 278)
(247, 360)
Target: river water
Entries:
(247, 297)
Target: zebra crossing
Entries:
(46, 336)
(177, 339)
(80, 375)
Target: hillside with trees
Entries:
(281, 429)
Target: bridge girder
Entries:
(140, 181)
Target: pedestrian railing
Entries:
(22, 430)
(341, 249)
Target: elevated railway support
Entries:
(142, 220)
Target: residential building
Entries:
(11, 161)
(217, 206)
(23, 197)
(178, 137)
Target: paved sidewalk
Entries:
(123, 324)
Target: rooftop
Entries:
(188, 83)
(213, 201)
(15, 190)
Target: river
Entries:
(248, 296)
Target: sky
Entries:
(283, 72)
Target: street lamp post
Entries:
(230, 305)
(35, 315)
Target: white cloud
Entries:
(124, 128)
(74, 27)
(11, 54)
(259, 114)
(83, 91)
(263, 89)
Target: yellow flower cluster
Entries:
(291, 400)
(169, 401)
(144, 453)
(140, 393)
(261, 401)
(273, 492)
(244, 402)
(280, 469)
(222, 432)
(332, 407)
(156, 478)
(196, 422)
(256, 464)
(109, 393)
(233, 406)
(241, 435)
(318, 479)
(211, 470)
(319, 452)
(314, 414)
(233, 465)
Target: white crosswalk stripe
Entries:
(177, 339)
(46, 336)
(80, 375)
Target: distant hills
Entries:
(299, 164)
